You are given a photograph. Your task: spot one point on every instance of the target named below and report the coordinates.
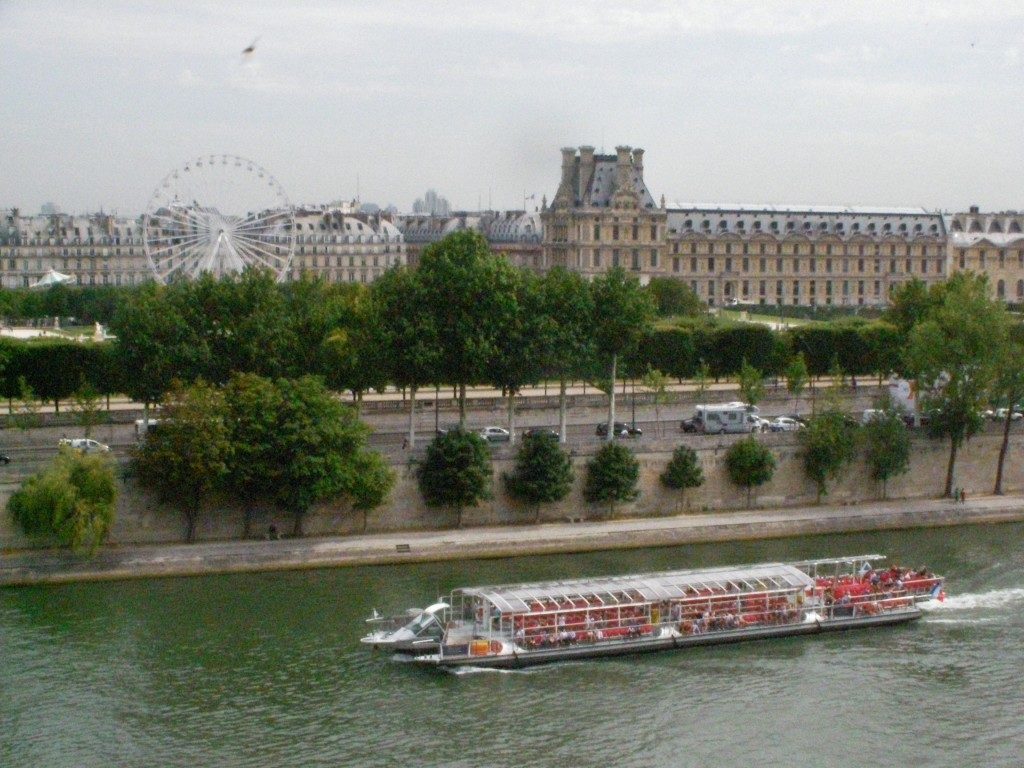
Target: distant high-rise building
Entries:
(433, 204)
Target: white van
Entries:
(728, 418)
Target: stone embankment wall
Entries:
(141, 519)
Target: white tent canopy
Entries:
(52, 277)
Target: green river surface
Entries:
(267, 670)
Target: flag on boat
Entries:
(937, 593)
(866, 568)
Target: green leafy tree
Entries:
(471, 295)
(909, 305)
(369, 483)
(751, 384)
(888, 447)
(622, 315)
(321, 450)
(187, 458)
(407, 330)
(954, 352)
(656, 382)
(796, 375)
(1008, 388)
(750, 464)
(456, 472)
(252, 406)
(829, 445)
(71, 503)
(703, 381)
(568, 310)
(683, 470)
(673, 297)
(543, 473)
(86, 406)
(612, 476)
(28, 407)
(521, 346)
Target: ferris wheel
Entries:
(218, 214)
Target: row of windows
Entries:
(620, 233)
(708, 288)
(619, 258)
(983, 258)
(808, 249)
(812, 265)
(792, 226)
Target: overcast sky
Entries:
(868, 103)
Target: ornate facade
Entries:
(603, 215)
(993, 244)
(99, 249)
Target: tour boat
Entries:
(523, 624)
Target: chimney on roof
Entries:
(638, 161)
(623, 167)
(974, 209)
(564, 195)
(586, 171)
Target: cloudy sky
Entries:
(887, 103)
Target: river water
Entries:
(266, 670)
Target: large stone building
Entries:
(993, 244)
(336, 242)
(806, 255)
(603, 215)
(514, 234)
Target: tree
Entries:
(71, 503)
(751, 384)
(1008, 389)
(888, 447)
(28, 411)
(543, 473)
(749, 464)
(671, 296)
(954, 352)
(612, 476)
(656, 382)
(622, 314)
(186, 459)
(252, 406)
(703, 381)
(86, 406)
(568, 309)
(521, 345)
(320, 451)
(456, 471)
(909, 305)
(408, 331)
(796, 375)
(683, 470)
(829, 446)
(370, 482)
(471, 297)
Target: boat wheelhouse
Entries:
(523, 624)
(415, 631)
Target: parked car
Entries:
(692, 425)
(621, 429)
(785, 424)
(760, 424)
(495, 434)
(5, 459)
(542, 432)
(446, 428)
(84, 444)
(1000, 414)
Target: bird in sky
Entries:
(250, 49)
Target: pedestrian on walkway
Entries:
(963, 496)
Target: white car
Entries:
(1000, 414)
(785, 424)
(495, 434)
(84, 444)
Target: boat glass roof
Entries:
(613, 590)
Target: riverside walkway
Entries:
(123, 562)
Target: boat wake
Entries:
(996, 598)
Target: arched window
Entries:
(1001, 289)
(1020, 289)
